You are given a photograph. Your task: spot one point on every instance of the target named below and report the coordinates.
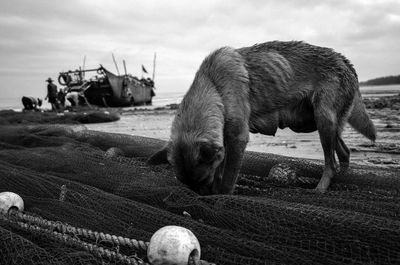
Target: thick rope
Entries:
(100, 252)
(69, 235)
(76, 231)
(65, 238)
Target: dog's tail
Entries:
(360, 120)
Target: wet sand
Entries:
(385, 152)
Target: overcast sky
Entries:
(40, 38)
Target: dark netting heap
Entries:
(100, 182)
(9, 117)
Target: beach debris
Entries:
(173, 106)
(392, 102)
(173, 245)
(384, 161)
(186, 214)
(10, 200)
(282, 173)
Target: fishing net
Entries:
(78, 180)
(8, 117)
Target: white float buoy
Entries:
(10, 200)
(113, 152)
(173, 245)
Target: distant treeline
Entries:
(387, 80)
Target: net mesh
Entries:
(108, 187)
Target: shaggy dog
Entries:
(259, 89)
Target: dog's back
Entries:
(287, 80)
(281, 72)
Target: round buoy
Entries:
(9, 200)
(173, 245)
(113, 152)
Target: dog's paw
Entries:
(344, 166)
(323, 185)
(320, 190)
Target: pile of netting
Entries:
(8, 117)
(81, 185)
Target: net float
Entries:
(10, 200)
(113, 152)
(173, 245)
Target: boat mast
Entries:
(116, 66)
(126, 73)
(83, 67)
(154, 66)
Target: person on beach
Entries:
(61, 98)
(52, 94)
(31, 103)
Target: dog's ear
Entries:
(208, 152)
(160, 157)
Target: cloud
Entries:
(40, 38)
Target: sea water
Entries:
(164, 98)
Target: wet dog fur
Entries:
(259, 89)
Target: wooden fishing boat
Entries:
(108, 89)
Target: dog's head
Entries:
(197, 164)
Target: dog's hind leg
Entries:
(342, 152)
(328, 145)
(327, 125)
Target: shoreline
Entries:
(155, 122)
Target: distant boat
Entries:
(107, 89)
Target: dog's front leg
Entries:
(235, 144)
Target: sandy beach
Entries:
(155, 121)
(150, 122)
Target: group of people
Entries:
(54, 96)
